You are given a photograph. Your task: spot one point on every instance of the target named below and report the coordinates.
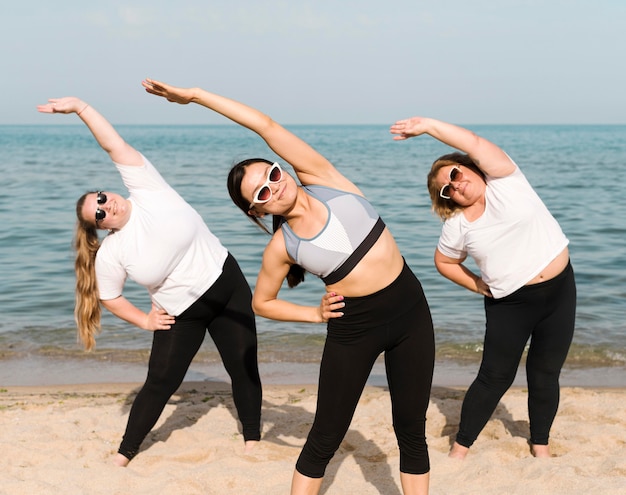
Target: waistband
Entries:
(554, 282)
(382, 306)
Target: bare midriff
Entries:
(556, 266)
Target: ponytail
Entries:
(296, 272)
(87, 311)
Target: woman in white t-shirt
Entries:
(492, 214)
(158, 240)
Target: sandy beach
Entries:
(60, 439)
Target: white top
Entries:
(513, 240)
(165, 246)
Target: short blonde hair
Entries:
(446, 208)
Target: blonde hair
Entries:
(446, 208)
(87, 311)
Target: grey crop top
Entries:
(352, 228)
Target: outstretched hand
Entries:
(68, 104)
(170, 93)
(406, 128)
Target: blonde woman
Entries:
(158, 240)
(492, 214)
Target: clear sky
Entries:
(321, 61)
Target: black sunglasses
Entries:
(101, 199)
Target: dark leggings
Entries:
(396, 321)
(225, 310)
(543, 312)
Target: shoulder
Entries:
(335, 181)
(515, 179)
(275, 257)
(454, 221)
(276, 246)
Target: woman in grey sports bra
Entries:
(374, 305)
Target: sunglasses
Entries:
(101, 199)
(264, 193)
(454, 175)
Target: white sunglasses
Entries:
(454, 175)
(264, 193)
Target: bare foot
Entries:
(540, 450)
(250, 446)
(458, 451)
(120, 460)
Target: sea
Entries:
(578, 170)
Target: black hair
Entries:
(233, 182)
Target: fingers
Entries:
(154, 87)
(400, 130)
(165, 322)
(332, 314)
(482, 288)
(160, 319)
(66, 105)
(48, 107)
(331, 304)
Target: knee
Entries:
(162, 383)
(499, 380)
(318, 450)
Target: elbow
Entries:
(439, 268)
(437, 261)
(443, 269)
(267, 125)
(258, 307)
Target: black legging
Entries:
(545, 313)
(396, 321)
(225, 310)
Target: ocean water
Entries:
(578, 171)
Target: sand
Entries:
(61, 439)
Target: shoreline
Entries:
(37, 370)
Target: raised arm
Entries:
(487, 155)
(102, 130)
(310, 166)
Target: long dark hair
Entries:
(235, 177)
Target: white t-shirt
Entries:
(165, 246)
(513, 240)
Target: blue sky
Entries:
(322, 61)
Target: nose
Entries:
(455, 184)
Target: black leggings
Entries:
(543, 312)
(396, 321)
(225, 310)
